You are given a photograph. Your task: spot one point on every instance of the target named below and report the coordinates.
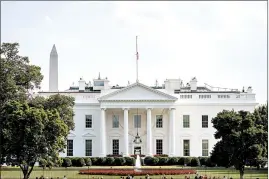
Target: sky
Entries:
(223, 44)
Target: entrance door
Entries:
(137, 150)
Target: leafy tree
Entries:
(17, 76)
(63, 104)
(240, 139)
(17, 79)
(30, 134)
(31, 128)
(261, 122)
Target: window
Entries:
(69, 147)
(204, 96)
(137, 121)
(204, 147)
(186, 96)
(186, 121)
(159, 146)
(99, 83)
(88, 121)
(186, 147)
(204, 121)
(115, 146)
(115, 121)
(159, 121)
(88, 147)
(223, 96)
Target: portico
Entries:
(131, 99)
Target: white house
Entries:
(173, 119)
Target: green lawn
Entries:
(72, 173)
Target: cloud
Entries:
(48, 19)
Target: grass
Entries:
(72, 173)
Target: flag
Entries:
(137, 56)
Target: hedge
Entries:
(130, 161)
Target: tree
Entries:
(31, 128)
(240, 139)
(63, 104)
(17, 76)
(261, 121)
(31, 133)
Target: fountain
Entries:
(137, 164)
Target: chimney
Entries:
(53, 70)
(193, 84)
(249, 90)
(82, 84)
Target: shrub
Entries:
(110, 160)
(74, 161)
(203, 160)
(129, 161)
(119, 161)
(94, 160)
(181, 161)
(155, 160)
(111, 155)
(195, 162)
(160, 155)
(173, 160)
(163, 161)
(88, 161)
(187, 161)
(101, 161)
(148, 161)
(209, 163)
(67, 162)
(80, 162)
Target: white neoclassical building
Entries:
(173, 118)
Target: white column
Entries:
(103, 133)
(126, 131)
(149, 133)
(172, 132)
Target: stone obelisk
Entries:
(53, 70)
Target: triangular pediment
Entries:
(71, 134)
(88, 135)
(137, 92)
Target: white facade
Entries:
(179, 110)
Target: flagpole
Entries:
(136, 61)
